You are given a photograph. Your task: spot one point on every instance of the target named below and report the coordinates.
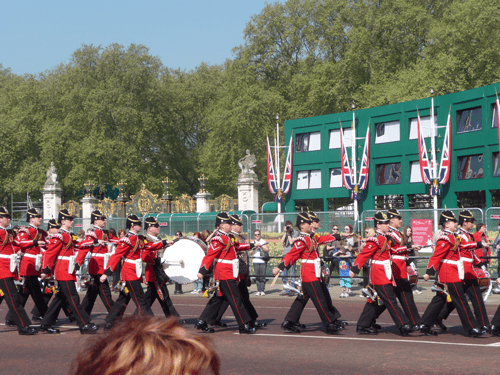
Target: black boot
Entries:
(376, 326)
(27, 331)
(426, 329)
(108, 326)
(10, 323)
(405, 330)
(290, 327)
(495, 330)
(256, 324)
(219, 324)
(366, 330)
(49, 329)
(247, 328)
(476, 332)
(36, 318)
(333, 328)
(300, 326)
(203, 326)
(89, 329)
(439, 323)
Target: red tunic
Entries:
(222, 251)
(152, 245)
(399, 254)
(61, 246)
(467, 251)
(306, 249)
(445, 258)
(130, 248)
(96, 262)
(378, 249)
(7, 243)
(26, 239)
(481, 237)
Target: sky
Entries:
(36, 36)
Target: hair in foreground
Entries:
(147, 346)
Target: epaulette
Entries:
(218, 239)
(58, 236)
(445, 237)
(92, 234)
(373, 239)
(125, 240)
(396, 235)
(24, 230)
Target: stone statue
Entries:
(51, 177)
(247, 163)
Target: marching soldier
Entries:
(60, 260)
(131, 248)
(222, 250)
(97, 243)
(378, 249)
(448, 262)
(8, 274)
(399, 257)
(306, 248)
(157, 289)
(30, 241)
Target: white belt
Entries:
(309, 261)
(98, 255)
(382, 262)
(455, 262)
(64, 258)
(30, 256)
(225, 261)
(130, 260)
(5, 256)
(402, 257)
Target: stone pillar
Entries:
(87, 208)
(202, 204)
(52, 194)
(248, 195)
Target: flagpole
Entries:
(353, 149)
(434, 163)
(277, 157)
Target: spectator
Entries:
(350, 240)
(260, 263)
(481, 236)
(178, 287)
(496, 246)
(287, 241)
(412, 252)
(198, 284)
(147, 345)
(331, 248)
(369, 232)
(345, 263)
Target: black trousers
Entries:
(457, 292)
(432, 311)
(387, 294)
(166, 305)
(471, 288)
(245, 297)
(230, 293)
(317, 291)
(404, 294)
(496, 318)
(178, 288)
(97, 289)
(31, 288)
(371, 311)
(13, 300)
(67, 294)
(135, 293)
(46, 298)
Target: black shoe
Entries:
(36, 318)
(108, 326)
(71, 318)
(476, 332)
(376, 326)
(439, 323)
(49, 329)
(300, 326)
(89, 329)
(341, 323)
(405, 330)
(486, 328)
(333, 328)
(10, 323)
(183, 321)
(27, 331)
(426, 329)
(247, 328)
(290, 327)
(366, 330)
(495, 330)
(415, 328)
(219, 324)
(256, 324)
(202, 325)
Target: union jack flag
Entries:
(444, 166)
(425, 169)
(347, 178)
(363, 172)
(272, 182)
(287, 176)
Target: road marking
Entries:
(392, 340)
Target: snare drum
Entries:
(412, 275)
(483, 279)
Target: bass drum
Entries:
(181, 261)
(412, 275)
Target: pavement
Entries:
(272, 351)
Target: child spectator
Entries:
(345, 263)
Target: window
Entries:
(415, 175)
(496, 164)
(425, 123)
(388, 174)
(386, 132)
(471, 199)
(470, 167)
(494, 118)
(335, 177)
(315, 205)
(308, 142)
(384, 202)
(469, 120)
(420, 201)
(335, 138)
(309, 180)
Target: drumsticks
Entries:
(275, 279)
